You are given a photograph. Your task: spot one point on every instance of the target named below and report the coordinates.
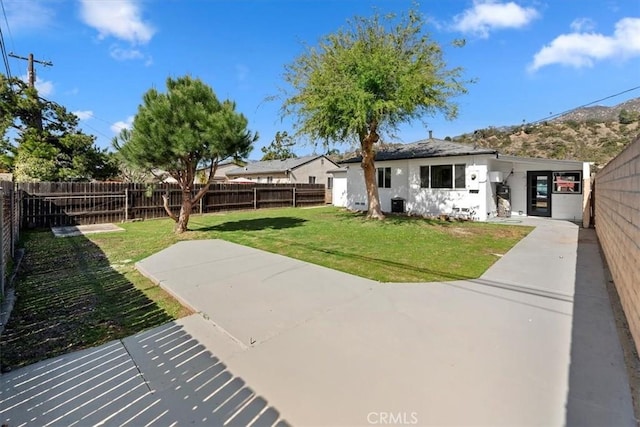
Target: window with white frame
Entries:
(384, 177)
(269, 180)
(312, 180)
(567, 182)
(443, 176)
(329, 182)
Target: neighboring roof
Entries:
(425, 148)
(275, 166)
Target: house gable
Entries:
(298, 170)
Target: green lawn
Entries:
(399, 249)
(80, 292)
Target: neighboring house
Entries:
(434, 177)
(302, 170)
(202, 174)
(223, 168)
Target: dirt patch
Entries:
(457, 231)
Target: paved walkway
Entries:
(277, 341)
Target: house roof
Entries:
(275, 166)
(425, 148)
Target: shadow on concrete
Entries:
(257, 224)
(599, 392)
(159, 377)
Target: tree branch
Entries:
(212, 171)
(167, 208)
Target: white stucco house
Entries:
(435, 177)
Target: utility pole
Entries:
(31, 73)
(31, 76)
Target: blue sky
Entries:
(530, 58)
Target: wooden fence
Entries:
(9, 230)
(48, 204)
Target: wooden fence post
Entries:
(2, 260)
(126, 204)
(255, 198)
(13, 219)
(294, 196)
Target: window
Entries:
(567, 182)
(459, 170)
(384, 177)
(424, 176)
(443, 176)
(312, 180)
(269, 180)
(329, 182)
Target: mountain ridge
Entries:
(593, 133)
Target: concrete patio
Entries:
(277, 341)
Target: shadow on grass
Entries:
(440, 275)
(69, 298)
(256, 224)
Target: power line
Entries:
(3, 46)
(553, 116)
(4, 13)
(5, 58)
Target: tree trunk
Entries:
(368, 165)
(185, 212)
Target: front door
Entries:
(539, 193)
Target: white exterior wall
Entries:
(563, 206)
(433, 202)
(405, 184)
(357, 192)
(339, 190)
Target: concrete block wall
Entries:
(617, 223)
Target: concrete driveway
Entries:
(532, 342)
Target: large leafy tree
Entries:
(45, 143)
(280, 148)
(364, 81)
(181, 129)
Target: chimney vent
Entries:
(430, 134)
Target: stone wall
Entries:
(617, 222)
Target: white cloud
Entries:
(582, 49)
(44, 87)
(118, 18)
(582, 24)
(84, 114)
(26, 15)
(121, 54)
(118, 126)
(488, 15)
